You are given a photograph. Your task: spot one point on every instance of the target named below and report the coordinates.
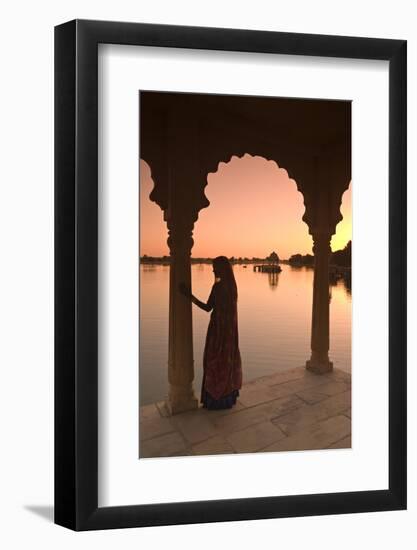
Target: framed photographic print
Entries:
(230, 252)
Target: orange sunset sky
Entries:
(255, 208)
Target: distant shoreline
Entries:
(340, 258)
(250, 261)
(166, 260)
(208, 261)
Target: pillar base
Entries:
(181, 399)
(319, 367)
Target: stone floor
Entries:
(288, 411)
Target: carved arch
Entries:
(186, 136)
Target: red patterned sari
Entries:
(222, 377)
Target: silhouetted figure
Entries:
(222, 376)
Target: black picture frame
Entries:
(76, 272)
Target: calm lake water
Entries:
(274, 323)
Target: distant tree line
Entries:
(145, 259)
(342, 258)
(301, 259)
(273, 258)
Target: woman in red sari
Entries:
(222, 375)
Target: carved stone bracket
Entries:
(180, 237)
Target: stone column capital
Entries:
(321, 241)
(180, 236)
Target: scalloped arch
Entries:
(240, 156)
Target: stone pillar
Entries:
(181, 395)
(319, 361)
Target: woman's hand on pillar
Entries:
(185, 290)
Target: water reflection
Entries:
(273, 279)
(301, 268)
(345, 281)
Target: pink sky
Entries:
(254, 209)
